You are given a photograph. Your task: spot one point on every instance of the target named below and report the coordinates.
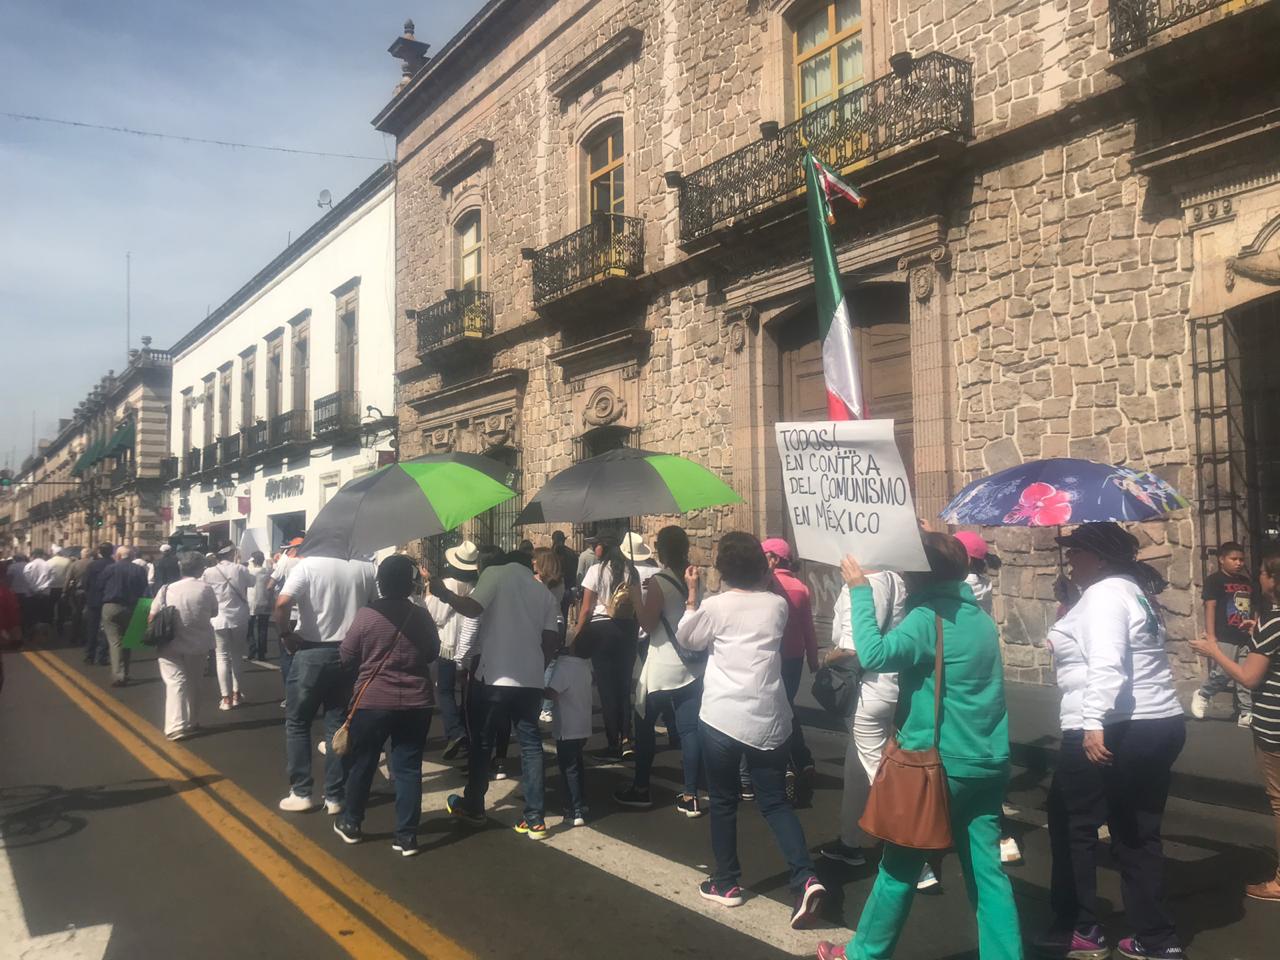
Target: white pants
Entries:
(869, 730)
(230, 647)
(181, 675)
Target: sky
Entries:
(197, 220)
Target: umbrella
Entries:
(406, 501)
(626, 483)
(1051, 493)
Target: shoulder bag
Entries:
(690, 658)
(163, 627)
(909, 805)
(836, 685)
(341, 742)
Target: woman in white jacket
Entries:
(1122, 730)
(456, 635)
(181, 661)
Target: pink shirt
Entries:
(798, 639)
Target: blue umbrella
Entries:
(1051, 493)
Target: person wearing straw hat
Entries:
(456, 633)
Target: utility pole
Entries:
(128, 339)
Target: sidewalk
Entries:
(1216, 766)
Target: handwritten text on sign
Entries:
(847, 491)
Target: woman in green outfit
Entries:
(973, 742)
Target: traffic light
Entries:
(6, 481)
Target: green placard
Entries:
(132, 639)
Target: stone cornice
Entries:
(502, 386)
(573, 79)
(476, 154)
(612, 351)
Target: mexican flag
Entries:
(839, 363)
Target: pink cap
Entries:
(778, 547)
(974, 545)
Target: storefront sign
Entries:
(847, 491)
(217, 503)
(280, 488)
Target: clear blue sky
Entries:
(198, 220)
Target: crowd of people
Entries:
(508, 642)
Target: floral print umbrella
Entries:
(1060, 491)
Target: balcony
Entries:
(209, 457)
(1190, 42)
(191, 463)
(605, 252)
(338, 415)
(122, 473)
(463, 318)
(290, 429)
(925, 98)
(1134, 22)
(229, 450)
(168, 469)
(255, 439)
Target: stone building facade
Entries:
(1069, 249)
(101, 479)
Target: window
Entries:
(346, 341)
(468, 245)
(828, 53)
(275, 377)
(300, 367)
(224, 401)
(606, 193)
(208, 402)
(247, 399)
(186, 420)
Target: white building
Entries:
(287, 390)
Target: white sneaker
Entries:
(544, 716)
(1199, 705)
(323, 747)
(1245, 719)
(224, 703)
(927, 879)
(1010, 852)
(294, 803)
(334, 807)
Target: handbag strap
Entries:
(355, 705)
(939, 672)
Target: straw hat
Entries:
(465, 556)
(634, 549)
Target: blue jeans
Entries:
(569, 759)
(450, 713)
(286, 664)
(493, 709)
(316, 683)
(686, 701)
(369, 732)
(721, 754)
(1218, 682)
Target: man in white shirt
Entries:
(518, 635)
(39, 579)
(329, 592)
(230, 583)
(60, 564)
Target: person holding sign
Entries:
(972, 740)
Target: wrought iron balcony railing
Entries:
(255, 438)
(461, 315)
(290, 428)
(229, 449)
(209, 456)
(611, 245)
(123, 473)
(338, 414)
(191, 462)
(1134, 22)
(925, 97)
(168, 468)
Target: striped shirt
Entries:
(1266, 699)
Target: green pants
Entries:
(975, 827)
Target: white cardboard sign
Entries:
(847, 491)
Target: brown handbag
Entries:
(909, 805)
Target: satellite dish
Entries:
(325, 199)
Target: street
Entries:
(145, 846)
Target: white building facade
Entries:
(287, 391)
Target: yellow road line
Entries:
(326, 912)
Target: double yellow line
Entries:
(251, 828)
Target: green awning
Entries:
(121, 441)
(89, 457)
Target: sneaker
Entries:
(928, 880)
(840, 853)
(609, 755)
(453, 805)
(224, 703)
(726, 895)
(347, 833)
(631, 797)
(544, 716)
(323, 748)
(334, 807)
(406, 848)
(579, 820)
(690, 806)
(237, 698)
(1199, 705)
(1132, 949)
(534, 831)
(498, 769)
(830, 951)
(746, 791)
(1010, 852)
(1245, 720)
(789, 791)
(294, 803)
(628, 751)
(454, 747)
(1264, 891)
(808, 903)
(1090, 944)
(284, 704)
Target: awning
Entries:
(89, 457)
(121, 441)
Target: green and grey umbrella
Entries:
(406, 501)
(626, 483)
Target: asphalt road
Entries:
(179, 848)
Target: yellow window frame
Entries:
(827, 48)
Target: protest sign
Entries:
(847, 491)
(137, 629)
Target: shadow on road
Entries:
(39, 813)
